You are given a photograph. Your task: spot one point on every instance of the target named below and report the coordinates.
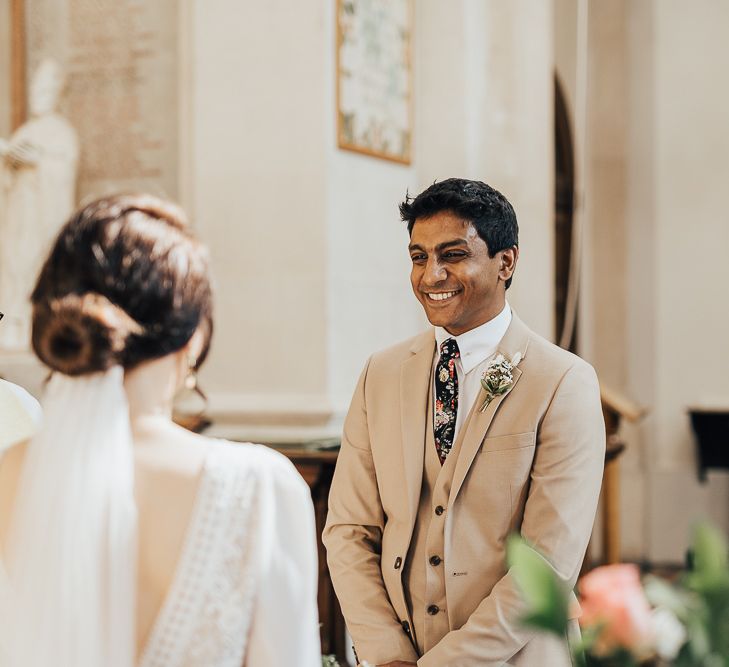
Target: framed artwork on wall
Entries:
(374, 78)
(17, 85)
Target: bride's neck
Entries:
(151, 389)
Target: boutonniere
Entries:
(498, 377)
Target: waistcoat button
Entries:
(435, 560)
(433, 609)
(439, 510)
(398, 563)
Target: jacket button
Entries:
(439, 510)
(433, 609)
(398, 563)
(406, 627)
(435, 560)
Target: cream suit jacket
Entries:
(531, 462)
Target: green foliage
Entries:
(708, 580)
(329, 661)
(700, 601)
(662, 594)
(620, 658)
(544, 593)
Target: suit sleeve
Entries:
(558, 518)
(353, 538)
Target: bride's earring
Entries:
(191, 403)
(191, 378)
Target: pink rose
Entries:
(613, 597)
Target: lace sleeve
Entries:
(285, 629)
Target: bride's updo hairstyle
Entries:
(125, 282)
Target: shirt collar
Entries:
(480, 343)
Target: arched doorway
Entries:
(564, 188)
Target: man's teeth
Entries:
(441, 296)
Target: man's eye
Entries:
(417, 258)
(454, 255)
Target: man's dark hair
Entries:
(485, 208)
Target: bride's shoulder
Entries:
(258, 461)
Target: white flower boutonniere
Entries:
(498, 377)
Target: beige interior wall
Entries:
(565, 49)
(692, 170)
(656, 161)
(482, 110)
(639, 249)
(691, 157)
(310, 256)
(678, 163)
(486, 113)
(603, 179)
(305, 295)
(259, 177)
(603, 184)
(517, 152)
(369, 301)
(610, 151)
(607, 187)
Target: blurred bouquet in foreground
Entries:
(331, 661)
(626, 622)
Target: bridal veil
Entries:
(71, 553)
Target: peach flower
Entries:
(612, 596)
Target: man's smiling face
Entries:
(459, 285)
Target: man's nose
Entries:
(434, 272)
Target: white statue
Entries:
(38, 168)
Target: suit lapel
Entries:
(515, 341)
(415, 374)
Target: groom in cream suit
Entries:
(435, 471)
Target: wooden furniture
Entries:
(614, 408)
(18, 92)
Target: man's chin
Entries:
(440, 319)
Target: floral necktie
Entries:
(446, 398)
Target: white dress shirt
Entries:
(476, 348)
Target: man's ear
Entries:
(509, 258)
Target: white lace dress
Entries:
(244, 592)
